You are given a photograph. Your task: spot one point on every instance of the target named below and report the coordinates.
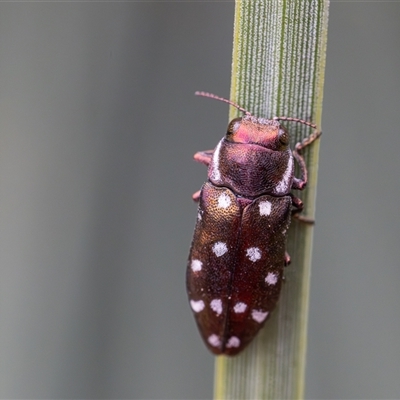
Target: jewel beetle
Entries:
(235, 267)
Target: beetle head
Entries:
(268, 133)
(251, 130)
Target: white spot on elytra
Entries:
(258, 315)
(219, 249)
(271, 278)
(214, 340)
(224, 201)
(216, 305)
(233, 342)
(196, 265)
(199, 215)
(254, 253)
(197, 306)
(265, 208)
(240, 307)
(283, 185)
(215, 174)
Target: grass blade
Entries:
(278, 70)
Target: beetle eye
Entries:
(233, 126)
(283, 137)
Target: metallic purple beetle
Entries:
(236, 260)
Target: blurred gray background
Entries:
(98, 125)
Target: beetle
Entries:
(235, 267)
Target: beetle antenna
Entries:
(213, 96)
(301, 121)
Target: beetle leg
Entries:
(196, 196)
(298, 208)
(304, 219)
(301, 183)
(297, 203)
(204, 157)
(287, 260)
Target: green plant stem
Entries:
(278, 70)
